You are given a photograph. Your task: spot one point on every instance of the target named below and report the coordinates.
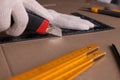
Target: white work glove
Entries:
(69, 21)
(16, 8)
(105, 1)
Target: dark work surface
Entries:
(30, 36)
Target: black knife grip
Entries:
(34, 22)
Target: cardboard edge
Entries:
(5, 71)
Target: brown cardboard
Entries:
(4, 68)
(18, 57)
(26, 55)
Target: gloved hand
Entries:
(16, 8)
(69, 21)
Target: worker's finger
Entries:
(5, 17)
(90, 24)
(78, 20)
(71, 17)
(62, 22)
(68, 21)
(38, 9)
(20, 21)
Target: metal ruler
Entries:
(66, 67)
